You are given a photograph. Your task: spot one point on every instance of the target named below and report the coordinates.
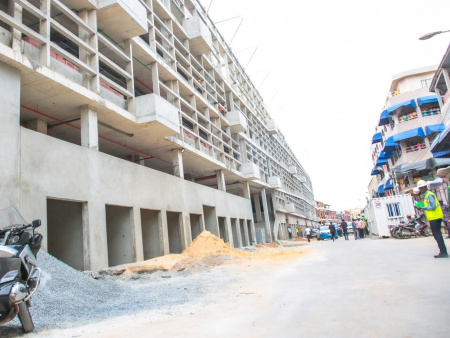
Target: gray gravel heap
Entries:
(67, 297)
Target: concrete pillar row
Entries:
(89, 128)
(177, 161)
(136, 226)
(266, 217)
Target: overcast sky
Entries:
(324, 68)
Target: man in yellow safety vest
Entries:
(434, 214)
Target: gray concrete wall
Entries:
(151, 233)
(119, 235)
(9, 136)
(174, 231)
(196, 228)
(61, 170)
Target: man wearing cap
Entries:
(434, 214)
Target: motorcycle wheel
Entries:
(405, 233)
(25, 317)
(395, 233)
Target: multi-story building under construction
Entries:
(128, 127)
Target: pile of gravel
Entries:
(67, 297)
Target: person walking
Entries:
(301, 232)
(290, 232)
(344, 229)
(359, 226)
(446, 218)
(308, 234)
(332, 231)
(297, 232)
(355, 229)
(434, 214)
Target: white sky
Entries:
(324, 68)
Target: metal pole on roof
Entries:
(430, 35)
(251, 58)
(227, 20)
(235, 32)
(209, 7)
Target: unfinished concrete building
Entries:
(128, 127)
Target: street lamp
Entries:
(430, 35)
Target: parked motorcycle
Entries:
(19, 273)
(416, 226)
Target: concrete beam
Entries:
(266, 217)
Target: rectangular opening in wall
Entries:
(65, 232)
(174, 232)
(234, 230)
(209, 214)
(151, 235)
(196, 228)
(222, 229)
(243, 236)
(118, 233)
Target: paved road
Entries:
(364, 288)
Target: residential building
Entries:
(324, 213)
(410, 121)
(129, 127)
(440, 84)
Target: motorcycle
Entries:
(19, 273)
(415, 226)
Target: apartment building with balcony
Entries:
(411, 120)
(128, 127)
(324, 213)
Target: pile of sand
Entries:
(205, 251)
(207, 244)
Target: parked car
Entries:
(323, 232)
(349, 227)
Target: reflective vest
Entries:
(432, 214)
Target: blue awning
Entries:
(416, 132)
(444, 153)
(385, 155)
(384, 118)
(409, 103)
(381, 189)
(389, 184)
(378, 169)
(434, 128)
(442, 141)
(381, 162)
(376, 138)
(390, 145)
(426, 99)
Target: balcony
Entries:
(153, 109)
(292, 169)
(290, 208)
(131, 14)
(274, 182)
(250, 171)
(272, 127)
(200, 40)
(238, 123)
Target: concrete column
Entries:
(246, 234)
(164, 232)
(252, 233)
(38, 125)
(229, 231)
(44, 30)
(177, 161)
(438, 94)
(266, 217)
(10, 135)
(221, 180)
(15, 11)
(91, 82)
(89, 128)
(257, 208)
(155, 78)
(136, 226)
(95, 235)
(185, 231)
(276, 225)
(129, 66)
(246, 190)
(446, 77)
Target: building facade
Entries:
(129, 127)
(411, 120)
(325, 214)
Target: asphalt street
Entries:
(364, 288)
